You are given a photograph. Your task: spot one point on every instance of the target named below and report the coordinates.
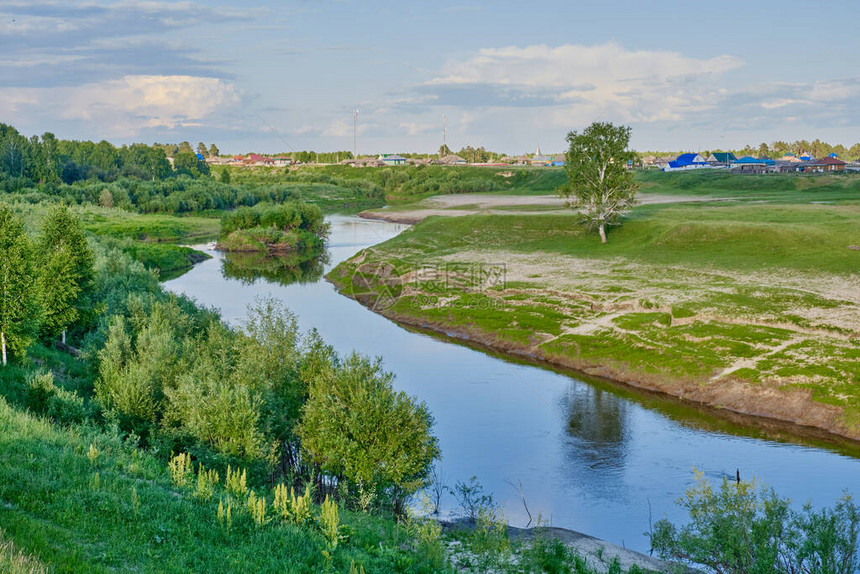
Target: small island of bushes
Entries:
(289, 227)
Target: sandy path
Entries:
(456, 205)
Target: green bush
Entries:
(388, 450)
(45, 398)
(744, 527)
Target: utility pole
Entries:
(354, 133)
(445, 130)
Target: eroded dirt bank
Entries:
(767, 363)
(795, 407)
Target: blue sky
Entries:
(509, 76)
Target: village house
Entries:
(749, 164)
(825, 164)
(392, 159)
(687, 161)
(790, 158)
(662, 163)
(721, 159)
(452, 160)
(540, 159)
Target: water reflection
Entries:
(597, 421)
(283, 269)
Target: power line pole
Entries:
(354, 133)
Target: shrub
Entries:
(472, 499)
(743, 527)
(219, 413)
(389, 448)
(45, 398)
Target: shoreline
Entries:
(598, 552)
(793, 410)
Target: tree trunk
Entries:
(602, 233)
(3, 342)
(64, 336)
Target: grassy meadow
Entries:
(748, 300)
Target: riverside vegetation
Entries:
(158, 438)
(748, 300)
(174, 442)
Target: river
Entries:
(589, 456)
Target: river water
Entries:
(588, 456)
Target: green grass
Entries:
(170, 260)
(82, 500)
(13, 561)
(780, 188)
(742, 237)
(152, 228)
(121, 512)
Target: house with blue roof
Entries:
(392, 159)
(687, 161)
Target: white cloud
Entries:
(834, 90)
(123, 107)
(579, 81)
(338, 129)
(416, 128)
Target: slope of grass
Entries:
(787, 188)
(800, 237)
(86, 501)
(152, 228)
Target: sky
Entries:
(282, 76)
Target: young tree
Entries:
(19, 307)
(599, 184)
(355, 425)
(65, 281)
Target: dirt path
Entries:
(472, 203)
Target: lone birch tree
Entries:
(599, 185)
(19, 305)
(65, 281)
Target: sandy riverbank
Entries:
(456, 205)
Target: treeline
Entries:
(26, 162)
(179, 380)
